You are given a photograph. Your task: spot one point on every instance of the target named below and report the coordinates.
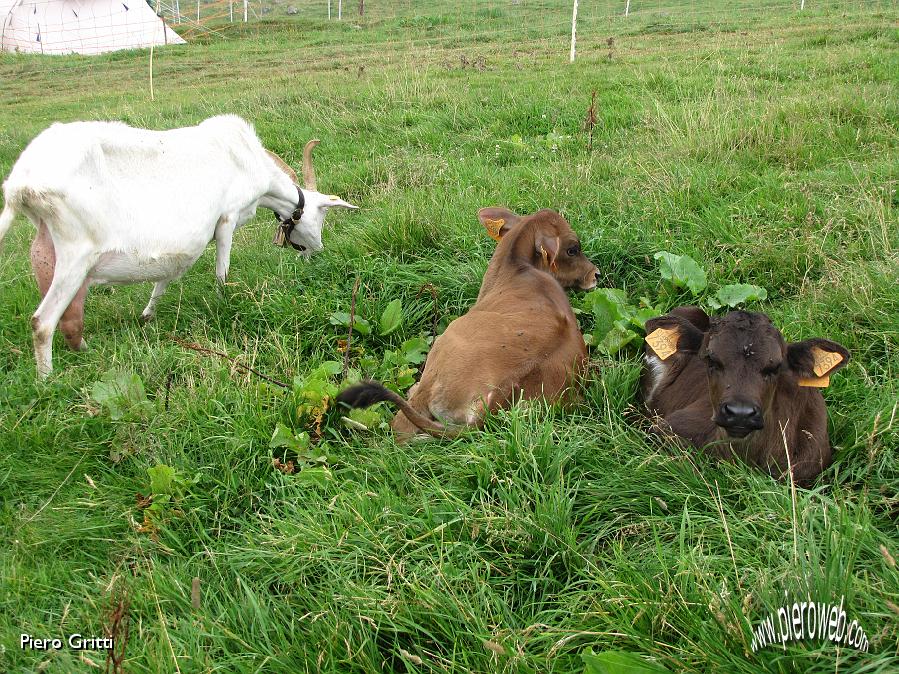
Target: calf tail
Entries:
(6, 218)
(367, 393)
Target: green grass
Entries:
(761, 141)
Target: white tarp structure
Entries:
(80, 26)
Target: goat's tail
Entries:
(6, 218)
(367, 393)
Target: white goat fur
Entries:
(124, 205)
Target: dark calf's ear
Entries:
(814, 360)
(695, 315)
(497, 221)
(669, 334)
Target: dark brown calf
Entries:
(734, 385)
(520, 340)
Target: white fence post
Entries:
(198, 11)
(627, 8)
(802, 5)
(340, 10)
(246, 10)
(573, 31)
(329, 10)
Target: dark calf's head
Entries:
(747, 359)
(547, 240)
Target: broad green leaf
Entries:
(616, 339)
(414, 350)
(370, 418)
(682, 271)
(642, 315)
(619, 662)
(328, 368)
(162, 479)
(360, 325)
(612, 314)
(319, 476)
(392, 317)
(739, 293)
(283, 437)
(121, 392)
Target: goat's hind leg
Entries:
(43, 263)
(69, 277)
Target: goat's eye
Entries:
(573, 251)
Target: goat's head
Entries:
(305, 232)
(547, 240)
(747, 360)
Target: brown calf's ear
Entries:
(669, 334)
(497, 221)
(814, 360)
(548, 248)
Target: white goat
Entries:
(114, 204)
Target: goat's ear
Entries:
(670, 334)
(497, 221)
(331, 201)
(814, 360)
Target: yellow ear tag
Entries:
(825, 361)
(493, 228)
(815, 382)
(663, 341)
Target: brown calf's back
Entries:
(519, 341)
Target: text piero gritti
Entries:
(76, 642)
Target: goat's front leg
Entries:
(150, 310)
(68, 279)
(224, 234)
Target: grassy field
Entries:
(760, 141)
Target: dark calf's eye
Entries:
(771, 370)
(573, 251)
(714, 364)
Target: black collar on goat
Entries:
(282, 235)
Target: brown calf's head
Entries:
(747, 359)
(546, 240)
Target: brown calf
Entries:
(519, 341)
(733, 384)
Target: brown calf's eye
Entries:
(574, 250)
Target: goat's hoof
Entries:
(145, 318)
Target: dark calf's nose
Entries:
(597, 276)
(736, 413)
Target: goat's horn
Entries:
(281, 164)
(308, 170)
